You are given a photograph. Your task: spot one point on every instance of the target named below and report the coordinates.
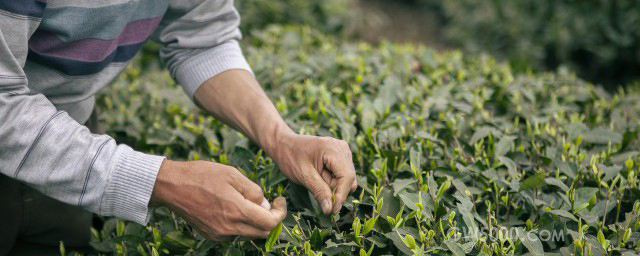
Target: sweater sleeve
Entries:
(50, 151)
(200, 40)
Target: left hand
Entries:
(321, 164)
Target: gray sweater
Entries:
(56, 54)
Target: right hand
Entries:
(217, 200)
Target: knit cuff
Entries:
(194, 71)
(130, 185)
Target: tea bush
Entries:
(454, 153)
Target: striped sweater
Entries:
(56, 54)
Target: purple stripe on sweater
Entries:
(91, 50)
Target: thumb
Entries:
(279, 207)
(320, 190)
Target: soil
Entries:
(397, 22)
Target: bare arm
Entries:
(236, 98)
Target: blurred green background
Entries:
(597, 39)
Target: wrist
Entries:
(167, 175)
(279, 138)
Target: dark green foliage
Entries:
(442, 142)
(327, 15)
(598, 38)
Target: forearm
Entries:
(236, 98)
(49, 151)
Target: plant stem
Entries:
(619, 200)
(336, 223)
(497, 200)
(606, 210)
(300, 227)
(508, 206)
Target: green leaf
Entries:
(120, 227)
(443, 188)
(557, 183)
(411, 199)
(626, 235)
(62, 249)
(368, 225)
(455, 248)
(581, 207)
(621, 158)
(316, 239)
(409, 241)
(356, 226)
(584, 195)
(391, 204)
(177, 239)
(241, 158)
(601, 239)
(602, 136)
(467, 217)
(563, 213)
(504, 145)
(414, 159)
(273, 237)
(338, 249)
(400, 184)
(511, 166)
(531, 241)
(433, 187)
(398, 241)
(103, 246)
(532, 182)
(569, 169)
(482, 133)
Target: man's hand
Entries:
(217, 199)
(321, 164)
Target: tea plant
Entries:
(455, 154)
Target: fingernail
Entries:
(265, 204)
(338, 209)
(326, 206)
(280, 202)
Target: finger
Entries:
(328, 178)
(354, 186)
(265, 204)
(249, 231)
(342, 191)
(264, 219)
(344, 172)
(320, 190)
(249, 189)
(243, 231)
(279, 209)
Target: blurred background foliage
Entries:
(597, 39)
(327, 15)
